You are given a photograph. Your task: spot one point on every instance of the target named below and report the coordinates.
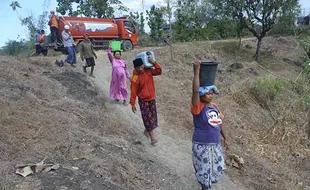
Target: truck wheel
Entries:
(127, 45)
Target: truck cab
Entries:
(127, 32)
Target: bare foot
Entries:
(125, 103)
(146, 133)
(92, 76)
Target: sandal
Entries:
(154, 142)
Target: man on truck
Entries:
(54, 27)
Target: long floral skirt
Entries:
(149, 114)
(208, 162)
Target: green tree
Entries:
(156, 22)
(285, 24)
(14, 47)
(138, 19)
(31, 23)
(192, 17)
(90, 8)
(142, 23)
(257, 16)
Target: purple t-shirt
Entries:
(207, 125)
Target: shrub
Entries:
(14, 47)
(145, 41)
(267, 88)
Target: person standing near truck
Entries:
(43, 49)
(53, 23)
(69, 44)
(37, 43)
(87, 52)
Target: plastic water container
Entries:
(116, 45)
(207, 73)
(144, 56)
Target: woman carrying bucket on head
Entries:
(207, 154)
(118, 88)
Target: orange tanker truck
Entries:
(100, 31)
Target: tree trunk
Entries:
(240, 39)
(259, 44)
(170, 31)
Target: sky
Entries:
(10, 25)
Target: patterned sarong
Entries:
(149, 114)
(208, 162)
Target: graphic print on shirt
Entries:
(214, 118)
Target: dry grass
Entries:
(41, 103)
(53, 112)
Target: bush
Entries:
(146, 41)
(267, 88)
(14, 47)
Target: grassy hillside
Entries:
(265, 105)
(59, 113)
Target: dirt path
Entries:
(171, 151)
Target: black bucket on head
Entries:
(207, 73)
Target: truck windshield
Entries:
(130, 26)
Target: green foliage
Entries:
(257, 16)
(138, 19)
(14, 47)
(90, 8)
(285, 23)
(156, 22)
(146, 40)
(306, 67)
(142, 23)
(33, 24)
(285, 26)
(267, 88)
(305, 45)
(192, 19)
